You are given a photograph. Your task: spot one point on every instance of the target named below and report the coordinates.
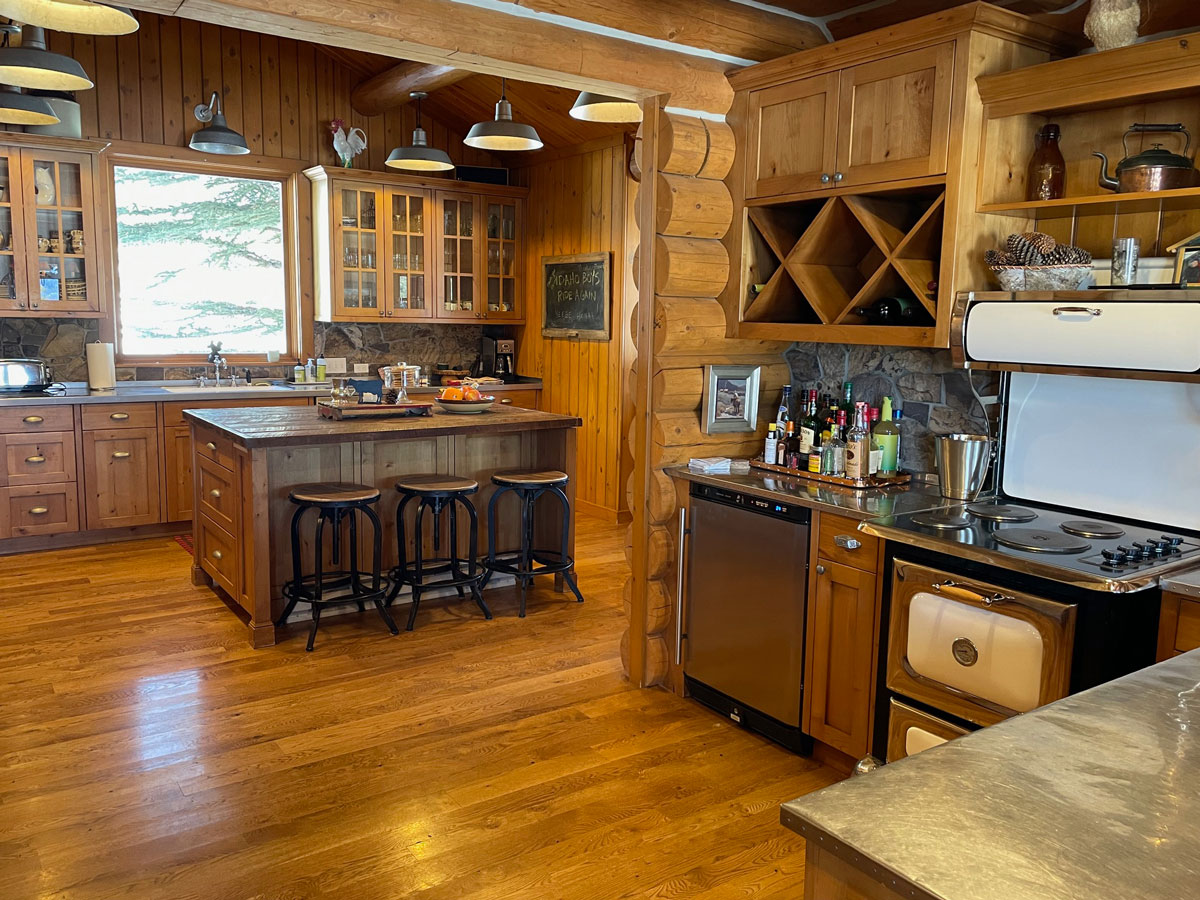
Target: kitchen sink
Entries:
(223, 389)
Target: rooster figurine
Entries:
(348, 144)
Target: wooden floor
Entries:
(147, 752)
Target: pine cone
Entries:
(998, 258)
(1066, 255)
(1043, 243)
(1023, 251)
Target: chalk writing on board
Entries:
(576, 296)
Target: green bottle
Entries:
(887, 435)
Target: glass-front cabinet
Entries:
(48, 238)
(459, 245)
(408, 247)
(502, 267)
(356, 224)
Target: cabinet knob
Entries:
(846, 542)
(118, 417)
(507, 400)
(820, 570)
(838, 176)
(214, 493)
(211, 446)
(39, 511)
(121, 454)
(34, 460)
(389, 312)
(217, 554)
(381, 312)
(825, 178)
(33, 420)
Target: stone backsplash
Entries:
(61, 343)
(936, 397)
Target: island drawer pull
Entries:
(121, 454)
(217, 554)
(507, 400)
(214, 493)
(211, 446)
(33, 420)
(39, 511)
(34, 460)
(118, 417)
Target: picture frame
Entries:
(1187, 266)
(730, 399)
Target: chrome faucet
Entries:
(218, 362)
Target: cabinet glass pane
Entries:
(416, 215)
(451, 255)
(366, 253)
(466, 289)
(400, 289)
(370, 295)
(8, 283)
(493, 257)
(493, 220)
(493, 291)
(508, 295)
(399, 252)
(465, 219)
(367, 210)
(350, 209)
(350, 290)
(506, 259)
(50, 289)
(416, 255)
(450, 293)
(466, 256)
(350, 249)
(450, 217)
(70, 185)
(509, 229)
(5, 196)
(399, 213)
(416, 289)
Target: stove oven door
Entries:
(973, 649)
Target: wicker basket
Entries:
(1043, 278)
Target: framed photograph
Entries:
(730, 401)
(1187, 266)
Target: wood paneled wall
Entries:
(578, 203)
(280, 93)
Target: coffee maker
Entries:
(498, 358)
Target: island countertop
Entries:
(1091, 796)
(280, 426)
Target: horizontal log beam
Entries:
(391, 89)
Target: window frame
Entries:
(297, 244)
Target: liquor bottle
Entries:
(771, 446)
(828, 420)
(848, 399)
(876, 450)
(1047, 169)
(809, 426)
(887, 435)
(814, 459)
(785, 410)
(833, 458)
(858, 445)
(791, 448)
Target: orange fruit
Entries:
(451, 393)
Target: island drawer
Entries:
(218, 494)
(216, 551)
(24, 419)
(839, 540)
(119, 415)
(44, 458)
(172, 412)
(40, 509)
(912, 730)
(210, 443)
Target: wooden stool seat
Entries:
(322, 493)
(436, 484)
(530, 479)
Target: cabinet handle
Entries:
(118, 417)
(34, 460)
(1077, 310)
(846, 542)
(825, 178)
(39, 511)
(838, 176)
(33, 420)
(217, 554)
(507, 400)
(820, 570)
(389, 312)
(381, 312)
(211, 446)
(214, 493)
(963, 592)
(121, 454)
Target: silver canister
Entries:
(963, 461)
(1125, 261)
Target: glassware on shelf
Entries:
(1047, 169)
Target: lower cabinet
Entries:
(177, 472)
(39, 509)
(523, 399)
(1178, 625)
(121, 477)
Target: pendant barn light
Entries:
(75, 16)
(22, 109)
(420, 157)
(591, 107)
(503, 133)
(216, 136)
(33, 66)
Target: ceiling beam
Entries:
(482, 39)
(390, 89)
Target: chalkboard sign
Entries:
(577, 296)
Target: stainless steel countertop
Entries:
(865, 504)
(158, 392)
(1096, 795)
(1186, 583)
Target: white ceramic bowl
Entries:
(465, 407)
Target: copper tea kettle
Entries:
(1155, 169)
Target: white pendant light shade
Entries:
(419, 157)
(33, 66)
(503, 133)
(21, 109)
(74, 16)
(216, 137)
(602, 108)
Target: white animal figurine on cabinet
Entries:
(43, 184)
(347, 144)
(1113, 23)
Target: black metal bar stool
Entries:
(335, 503)
(529, 561)
(438, 493)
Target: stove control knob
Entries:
(1162, 548)
(1173, 541)
(1122, 549)
(1116, 557)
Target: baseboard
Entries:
(603, 513)
(72, 539)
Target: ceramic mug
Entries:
(55, 245)
(43, 244)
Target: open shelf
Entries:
(1099, 204)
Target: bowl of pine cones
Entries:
(1033, 261)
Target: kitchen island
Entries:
(1091, 796)
(247, 460)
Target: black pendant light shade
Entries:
(216, 137)
(419, 157)
(33, 66)
(74, 16)
(591, 107)
(22, 109)
(503, 133)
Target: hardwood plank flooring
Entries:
(146, 751)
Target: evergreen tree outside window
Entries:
(200, 258)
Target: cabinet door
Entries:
(120, 473)
(408, 244)
(13, 291)
(792, 137)
(839, 662)
(503, 223)
(178, 472)
(356, 244)
(456, 249)
(894, 120)
(60, 259)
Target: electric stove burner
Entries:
(949, 519)
(1039, 541)
(1088, 529)
(1001, 512)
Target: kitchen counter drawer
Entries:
(523, 399)
(43, 458)
(211, 444)
(839, 540)
(40, 509)
(28, 419)
(119, 415)
(218, 494)
(172, 412)
(912, 730)
(216, 551)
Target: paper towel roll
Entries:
(102, 367)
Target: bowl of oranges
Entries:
(463, 399)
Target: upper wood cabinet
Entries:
(791, 136)
(409, 248)
(50, 245)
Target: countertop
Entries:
(168, 391)
(282, 426)
(1095, 795)
(1186, 583)
(871, 503)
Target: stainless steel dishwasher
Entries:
(746, 593)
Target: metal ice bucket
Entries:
(962, 463)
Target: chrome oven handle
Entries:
(683, 533)
(1077, 311)
(952, 588)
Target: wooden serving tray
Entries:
(374, 410)
(902, 478)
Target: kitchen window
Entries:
(202, 256)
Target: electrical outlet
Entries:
(335, 365)
(360, 368)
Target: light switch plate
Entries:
(335, 365)
(361, 368)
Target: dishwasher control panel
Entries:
(790, 512)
